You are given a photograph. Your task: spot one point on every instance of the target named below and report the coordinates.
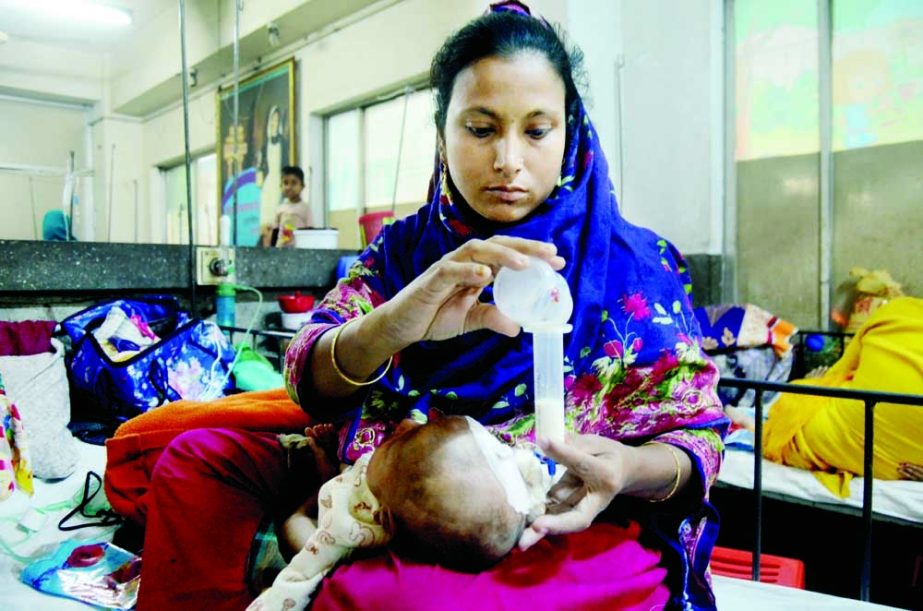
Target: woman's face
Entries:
(505, 134)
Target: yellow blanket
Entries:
(827, 435)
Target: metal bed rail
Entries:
(870, 399)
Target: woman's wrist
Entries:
(363, 345)
(655, 471)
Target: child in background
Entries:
(292, 213)
(446, 492)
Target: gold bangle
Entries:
(679, 471)
(340, 372)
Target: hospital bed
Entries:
(896, 502)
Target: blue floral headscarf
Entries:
(630, 288)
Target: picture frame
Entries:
(252, 155)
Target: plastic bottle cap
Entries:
(226, 290)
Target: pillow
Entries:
(37, 384)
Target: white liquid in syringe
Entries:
(549, 419)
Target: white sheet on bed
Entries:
(15, 595)
(733, 594)
(900, 499)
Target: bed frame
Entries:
(870, 399)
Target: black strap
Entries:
(105, 517)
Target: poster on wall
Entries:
(251, 154)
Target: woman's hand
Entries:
(910, 471)
(443, 301)
(596, 471)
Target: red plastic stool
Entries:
(773, 569)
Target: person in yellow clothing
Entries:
(826, 435)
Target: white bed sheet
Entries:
(732, 594)
(899, 499)
(15, 595)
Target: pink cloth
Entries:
(601, 568)
(211, 488)
(26, 337)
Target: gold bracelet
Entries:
(340, 372)
(679, 471)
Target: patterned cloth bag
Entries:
(15, 469)
(132, 355)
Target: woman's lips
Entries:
(507, 195)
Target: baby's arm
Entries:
(319, 443)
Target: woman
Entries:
(412, 328)
(827, 435)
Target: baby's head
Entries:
(439, 497)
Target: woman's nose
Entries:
(508, 158)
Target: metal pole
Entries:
(825, 118)
(729, 237)
(187, 157)
(35, 233)
(758, 482)
(400, 148)
(235, 164)
(867, 479)
(111, 182)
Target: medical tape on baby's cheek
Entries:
(499, 458)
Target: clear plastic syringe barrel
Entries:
(539, 299)
(548, 370)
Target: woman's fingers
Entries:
(485, 316)
(578, 518)
(910, 471)
(530, 536)
(506, 251)
(447, 276)
(578, 454)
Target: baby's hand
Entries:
(320, 441)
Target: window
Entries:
(204, 190)
(362, 152)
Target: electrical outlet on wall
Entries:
(214, 264)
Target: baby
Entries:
(446, 492)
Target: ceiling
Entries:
(24, 24)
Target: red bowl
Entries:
(296, 304)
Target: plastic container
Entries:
(296, 304)
(371, 224)
(539, 299)
(226, 305)
(319, 239)
(294, 320)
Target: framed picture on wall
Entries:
(252, 155)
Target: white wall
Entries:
(670, 133)
(36, 135)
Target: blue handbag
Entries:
(133, 355)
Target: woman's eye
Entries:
(538, 133)
(479, 132)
